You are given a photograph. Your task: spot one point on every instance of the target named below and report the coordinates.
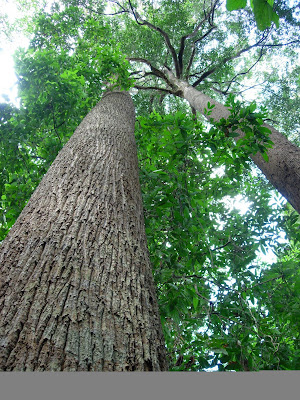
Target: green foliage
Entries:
(262, 9)
(220, 305)
(203, 251)
(21, 171)
(61, 77)
(283, 102)
(235, 4)
(264, 14)
(256, 136)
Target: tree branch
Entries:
(141, 21)
(205, 75)
(206, 34)
(221, 247)
(211, 14)
(190, 61)
(235, 92)
(225, 60)
(280, 44)
(122, 11)
(200, 295)
(242, 73)
(194, 50)
(263, 282)
(182, 43)
(167, 91)
(155, 71)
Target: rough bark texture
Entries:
(76, 289)
(283, 167)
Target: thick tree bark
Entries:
(283, 167)
(76, 289)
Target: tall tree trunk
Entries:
(283, 167)
(76, 289)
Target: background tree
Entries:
(218, 302)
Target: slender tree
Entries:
(77, 291)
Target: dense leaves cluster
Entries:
(256, 136)
(213, 291)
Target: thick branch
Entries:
(206, 34)
(182, 43)
(211, 14)
(204, 75)
(190, 63)
(156, 72)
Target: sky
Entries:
(8, 77)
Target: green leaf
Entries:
(264, 14)
(265, 156)
(219, 350)
(210, 106)
(186, 213)
(195, 303)
(275, 19)
(235, 4)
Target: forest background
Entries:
(221, 306)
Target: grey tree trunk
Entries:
(76, 289)
(283, 167)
